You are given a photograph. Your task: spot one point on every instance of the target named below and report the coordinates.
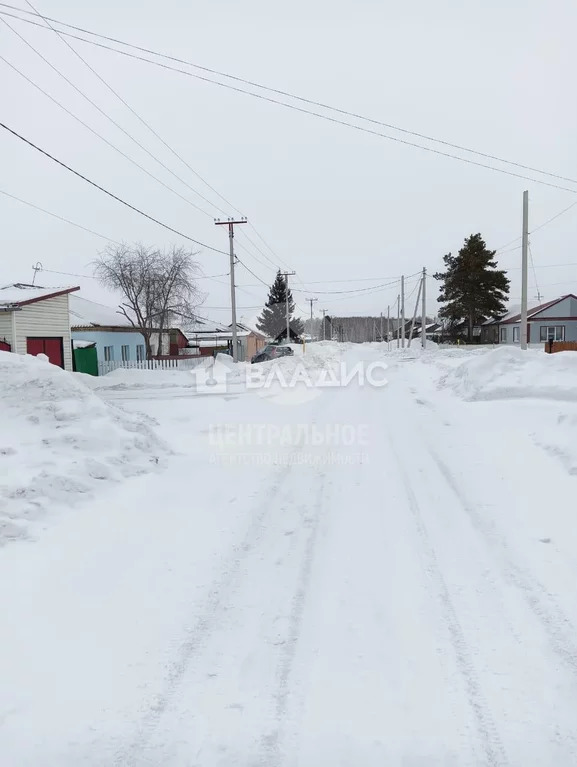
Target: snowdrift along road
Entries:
(59, 442)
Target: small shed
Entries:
(36, 320)
(85, 357)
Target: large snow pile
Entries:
(59, 441)
(510, 373)
(133, 378)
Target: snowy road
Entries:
(414, 605)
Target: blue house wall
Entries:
(114, 339)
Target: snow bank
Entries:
(59, 441)
(510, 373)
(133, 378)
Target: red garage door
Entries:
(51, 347)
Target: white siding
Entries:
(45, 319)
(6, 326)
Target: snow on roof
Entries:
(514, 310)
(20, 292)
(85, 313)
(534, 307)
(203, 325)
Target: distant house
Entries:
(116, 339)
(211, 338)
(36, 320)
(555, 320)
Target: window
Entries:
(552, 332)
(516, 334)
(503, 335)
(108, 353)
(140, 352)
(125, 352)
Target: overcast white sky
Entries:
(332, 202)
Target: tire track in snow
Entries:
(542, 604)
(206, 621)
(494, 751)
(271, 755)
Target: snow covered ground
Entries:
(59, 442)
(359, 575)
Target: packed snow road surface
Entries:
(377, 575)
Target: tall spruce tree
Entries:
(473, 289)
(272, 321)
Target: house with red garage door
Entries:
(36, 320)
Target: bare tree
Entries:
(157, 286)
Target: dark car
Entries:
(271, 352)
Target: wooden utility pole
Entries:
(231, 222)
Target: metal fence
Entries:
(172, 364)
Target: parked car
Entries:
(271, 352)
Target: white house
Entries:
(36, 320)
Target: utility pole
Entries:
(415, 313)
(311, 302)
(231, 222)
(286, 275)
(388, 328)
(424, 311)
(524, 268)
(324, 311)
(398, 321)
(403, 309)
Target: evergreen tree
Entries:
(272, 321)
(473, 289)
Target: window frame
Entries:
(125, 352)
(544, 331)
(516, 334)
(109, 354)
(503, 334)
(140, 352)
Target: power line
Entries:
(537, 228)
(301, 99)
(146, 124)
(251, 272)
(308, 111)
(534, 272)
(359, 290)
(106, 141)
(135, 113)
(60, 218)
(110, 194)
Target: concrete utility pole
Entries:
(424, 311)
(388, 328)
(286, 275)
(381, 331)
(415, 313)
(398, 321)
(403, 309)
(230, 222)
(524, 268)
(311, 302)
